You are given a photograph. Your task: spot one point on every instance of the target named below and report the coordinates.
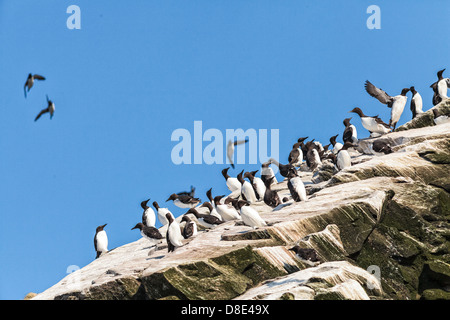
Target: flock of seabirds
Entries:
(238, 204)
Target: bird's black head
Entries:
(333, 139)
(413, 90)
(144, 204)
(404, 91)
(186, 218)
(347, 122)
(193, 211)
(242, 203)
(302, 139)
(139, 226)
(100, 228)
(173, 196)
(225, 172)
(217, 199)
(357, 111)
(239, 177)
(156, 205)
(439, 73)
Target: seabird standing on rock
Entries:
(50, 109)
(250, 216)
(148, 216)
(212, 210)
(296, 155)
(257, 184)
(206, 220)
(230, 149)
(190, 228)
(350, 133)
(305, 253)
(184, 201)
(227, 212)
(372, 124)
(303, 146)
(440, 117)
(247, 190)
(267, 173)
(440, 88)
(343, 159)
(312, 156)
(271, 197)
(336, 145)
(233, 184)
(150, 233)
(100, 241)
(381, 146)
(416, 103)
(296, 187)
(162, 213)
(396, 103)
(174, 237)
(30, 81)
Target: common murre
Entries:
(50, 109)
(100, 241)
(30, 82)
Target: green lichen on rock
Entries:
(120, 289)
(426, 119)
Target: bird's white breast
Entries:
(102, 241)
(442, 88)
(248, 192)
(175, 235)
(418, 102)
(233, 184)
(397, 107)
(343, 159)
(251, 217)
(299, 187)
(150, 217)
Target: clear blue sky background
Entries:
(138, 70)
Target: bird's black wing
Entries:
(40, 114)
(377, 93)
(379, 121)
(152, 232)
(347, 136)
(413, 108)
(38, 77)
(293, 155)
(188, 230)
(211, 219)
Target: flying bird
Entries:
(50, 108)
(230, 149)
(30, 82)
(396, 103)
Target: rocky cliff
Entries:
(380, 229)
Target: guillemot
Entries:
(100, 241)
(257, 183)
(148, 216)
(416, 103)
(350, 133)
(227, 212)
(190, 228)
(206, 220)
(247, 190)
(271, 197)
(230, 149)
(440, 117)
(336, 145)
(343, 159)
(267, 173)
(312, 156)
(174, 237)
(296, 155)
(184, 201)
(381, 146)
(50, 109)
(440, 88)
(161, 213)
(30, 82)
(296, 187)
(396, 103)
(233, 184)
(250, 216)
(212, 210)
(283, 168)
(150, 233)
(372, 124)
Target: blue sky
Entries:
(138, 70)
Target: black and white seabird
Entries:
(174, 237)
(271, 197)
(50, 109)
(257, 183)
(396, 103)
(150, 233)
(372, 124)
(267, 173)
(190, 228)
(343, 159)
(250, 216)
(230, 149)
(440, 88)
(381, 146)
(206, 220)
(305, 253)
(30, 82)
(233, 184)
(283, 168)
(440, 117)
(350, 133)
(296, 187)
(336, 145)
(312, 156)
(296, 155)
(184, 201)
(247, 191)
(416, 103)
(148, 216)
(162, 213)
(212, 210)
(226, 211)
(100, 241)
